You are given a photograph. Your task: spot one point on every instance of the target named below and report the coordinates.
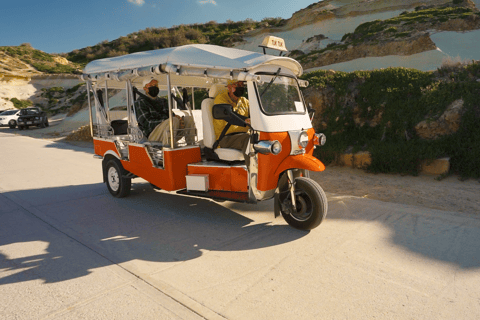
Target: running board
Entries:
(220, 195)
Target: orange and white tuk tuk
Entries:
(281, 142)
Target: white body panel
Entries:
(275, 123)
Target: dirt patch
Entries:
(449, 194)
(82, 134)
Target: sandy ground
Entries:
(449, 194)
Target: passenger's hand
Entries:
(248, 121)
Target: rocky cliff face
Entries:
(404, 35)
(413, 45)
(331, 9)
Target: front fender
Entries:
(304, 161)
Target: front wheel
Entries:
(12, 124)
(311, 204)
(117, 185)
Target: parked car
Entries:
(9, 118)
(32, 117)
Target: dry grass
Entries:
(81, 134)
(450, 63)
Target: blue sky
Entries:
(56, 26)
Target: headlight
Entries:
(276, 147)
(303, 139)
(267, 147)
(37, 118)
(319, 139)
(19, 120)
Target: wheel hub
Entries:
(303, 209)
(113, 179)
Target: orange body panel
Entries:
(102, 146)
(271, 166)
(223, 178)
(175, 163)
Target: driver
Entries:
(236, 137)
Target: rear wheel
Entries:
(20, 127)
(311, 205)
(12, 124)
(117, 185)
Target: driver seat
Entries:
(224, 154)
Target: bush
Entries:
(377, 111)
(21, 104)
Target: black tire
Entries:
(311, 202)
(46, 122)
(12, 124)
(26, 127)
(20, 127)
(117, 185)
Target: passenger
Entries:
(152, 115)
(236, 137)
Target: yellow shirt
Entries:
(242, 107)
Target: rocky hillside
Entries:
(405, 34)
(30, 77)
(25, 61)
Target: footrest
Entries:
(221, 195)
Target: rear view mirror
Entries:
(222, 111)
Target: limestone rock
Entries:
(60, 60)
(408, 47)
(447, 123)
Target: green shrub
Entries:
(403, 98)
(21, 104)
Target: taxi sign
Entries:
(275, 43)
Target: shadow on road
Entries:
(66, 224)
(438, 235)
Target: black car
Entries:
(32, 117)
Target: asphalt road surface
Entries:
(69, 250)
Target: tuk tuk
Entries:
(281, 137)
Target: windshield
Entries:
(8, 113)
(279, 95)
(26, 112)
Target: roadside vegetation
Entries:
(377, 111)
(60, 100)
(21, 104)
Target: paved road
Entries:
(69, 250)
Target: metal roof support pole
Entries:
(90, 108)
(193, 98)
(170, 114)
(129, 102)
(107, 103)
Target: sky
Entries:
(61, 26)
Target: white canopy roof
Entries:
(195, 55)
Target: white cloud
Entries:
(138, 2)
(208, 1)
